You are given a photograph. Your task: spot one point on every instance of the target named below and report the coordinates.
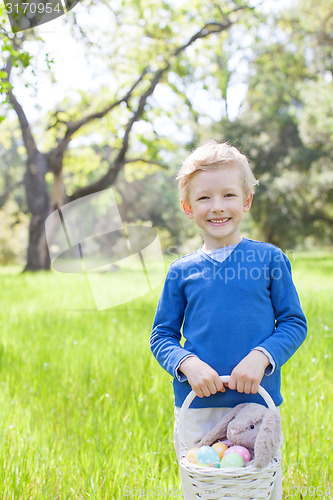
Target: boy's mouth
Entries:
(218, 222)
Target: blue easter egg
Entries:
(208, 456)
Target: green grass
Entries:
(86, 412)
(307, 384)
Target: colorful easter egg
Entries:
(232, 460)
(209, 457)
(220, 448)
(243, 452)
(192, 455)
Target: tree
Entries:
(285, 126)
(314, 35)
(165, 35)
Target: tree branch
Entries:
(73, 127)
(207, 30)
(56, 154)
(187, 101)
(28, 138)
(118, 163)
(319, 215)
(138, 113)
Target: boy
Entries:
(233, 299)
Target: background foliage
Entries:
(281, 60)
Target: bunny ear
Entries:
(268, 438)
(220, 430)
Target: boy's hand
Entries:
(203, 379)
(247, 375)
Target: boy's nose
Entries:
(218, 206)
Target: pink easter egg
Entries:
(243, 452)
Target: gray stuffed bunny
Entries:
(251, 425)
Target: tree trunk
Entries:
(38, 205)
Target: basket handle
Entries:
(191, 396)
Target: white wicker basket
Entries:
(210, 483)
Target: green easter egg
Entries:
(232, 460)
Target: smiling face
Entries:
(216, 203)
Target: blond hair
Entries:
(214, 155)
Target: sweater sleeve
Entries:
(166, 332)
(290, 322)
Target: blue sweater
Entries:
(224, 311)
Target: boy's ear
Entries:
(248, 203)
(187, 209)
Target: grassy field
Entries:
(86, 412)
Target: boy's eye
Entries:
(203, 198)
(230, 195)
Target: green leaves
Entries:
(316, 118)
(286, 126)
